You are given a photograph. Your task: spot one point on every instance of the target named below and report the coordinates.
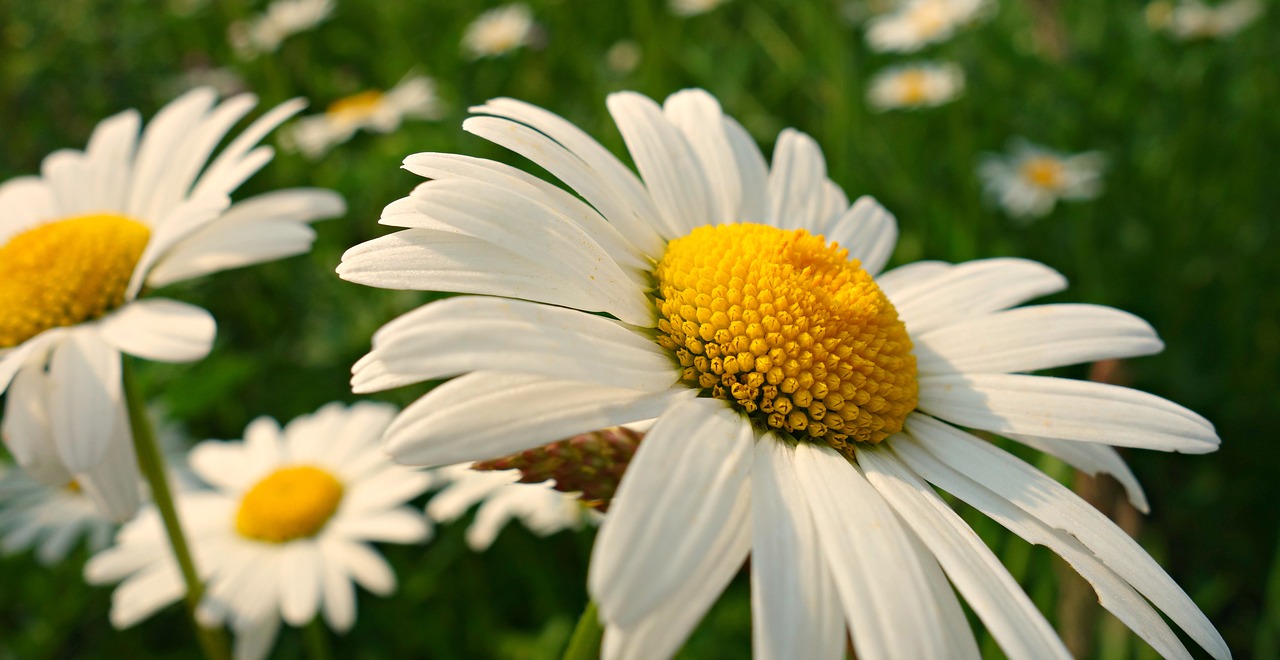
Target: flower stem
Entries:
(317, 640)
(151, 463)
(585, 642)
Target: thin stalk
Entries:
(585, 642)
(150, 461)
(316, 639)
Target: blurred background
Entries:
(1183, 234)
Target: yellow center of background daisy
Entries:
(913, 87)
(290, 503)
(356, 107)
(66, 272)
(788, 328)
(1043, 171)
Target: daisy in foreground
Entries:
(80, 245)
(285, 531)
(807, 403)
(918, 85)
(1030, 179)
(371, 110)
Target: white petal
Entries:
(1034, 338)
(108, 160)
(339, 598)
(666, 161)
(161, 330)
(1056, 506)
(698, 117)
(27, 430)
(753, 170)
(910, 276)
(151, 170)
(255, 637)
(371, 374)
(114, 483)
(240, 160)
(877, 571)
(143, 594)
(1092, 459)
(795, 182)
(471, 333)
(302, 570)
(34, 352)
(85, 398)
(868, 231)
(795, 609)
(364, 564)
(957, 634)
(681, 490)
(976, 572)
(972, 289)
(219, 464)
(1068, 409)
(1114, 593)
(487, 414)
(24, 201)
(834, 204)
(181, 222)
(399, 525)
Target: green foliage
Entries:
(1184, 236)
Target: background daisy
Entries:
(499, 31)
(915, 85)
(371, 110)
(1028, 180)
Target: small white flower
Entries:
(283, 534)
(623, 57)
(1191, 19)
(499, 31)
(1030, 179)
(283, 19)
(693, 7)
(916, 85)
(540, 507)
(50, 519)
(918, 23)
(371, 110)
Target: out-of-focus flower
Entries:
(499, 31)
(50, 519)
(1191, 19)
(81, 242)
(222, 80)
(693, 7)
(805, 399)
(284, 18)
(372, 110)
(917, 23)
(284, 533)
(623, 57)
(1029, 180)
(915, 85)
(502, 498)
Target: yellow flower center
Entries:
(356, 107)
(290, 503)
(929, 19)
(788, 328)
(1043, 171)
(913, 87)
(66, 272)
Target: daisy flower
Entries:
(918, 23)
(284, 18)
(917, 85)
(688, 8)
(499, 31)
(52, 520)
(1029, 180)
(81, 243)
(502, 498)
(805, 399)
(283, 534)
(371, 110)
(1191, 19)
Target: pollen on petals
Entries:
(66, 272)
(789, 329)
(290, 503)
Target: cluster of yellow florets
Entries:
(290, 503)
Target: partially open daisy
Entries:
(804, 398)
(499, 31)
(285, 531)
(915, 85)
(51, 520)
(80, 243)
(915, 24)
(1028, 181)
(370, 110)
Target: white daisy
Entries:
(284, 18)
(50, 519)
(1192, 19)
(693, 7)
(285, 532)
(80, 243)
(804, 399)
(499, 31)
(916, 85)
(371, 110)
(1029, 180)
(502, 498)
(917, 23)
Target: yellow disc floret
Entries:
(357, 107)
(1043, 172)
(66, 272)
(788, 328)
(290, 503)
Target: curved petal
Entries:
(85, 398)
(753, 170)
(171, 125)
(1068, 409)
(34, 353)
(27, 431)
(239, 160)
(1034, 338)
(300, 577)
(487, 414)
(181, 222)
(697, 115)
(108, 160)
(114, 484)
(1092, 459)
(795, 609)
(399, 525)
(687, 482)
(24, 201)
(160, 329)
(972, 288)
(868, 231)
(909, 276)
(795, 182)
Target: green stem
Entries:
(585, 642)
(151, 463)
(317, 640)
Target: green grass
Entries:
(1185, 235)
